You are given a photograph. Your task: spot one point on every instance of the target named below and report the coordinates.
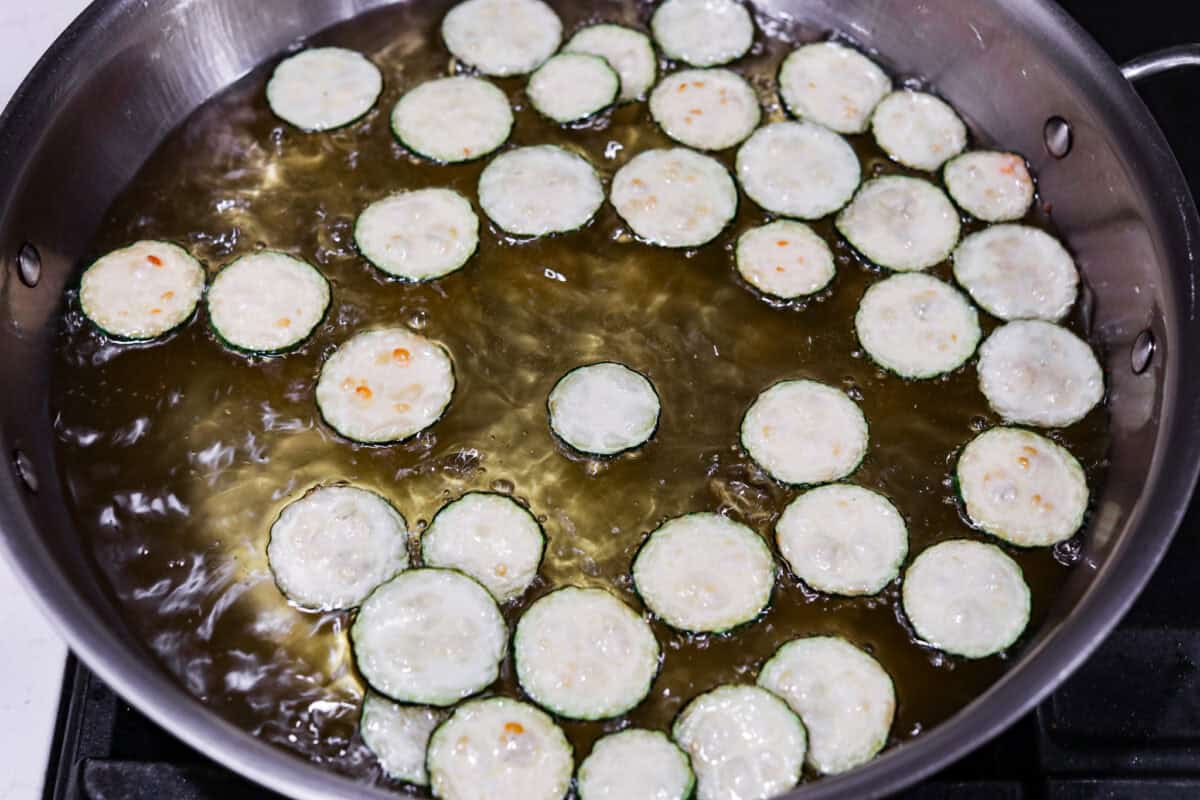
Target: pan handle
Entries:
(1165, 60)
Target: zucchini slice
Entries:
(627, 51)
(798, 169)
(966, 598)
(603, 409)
(267, 302)
(703, 33)
(843, 539)
(491, 538)
(916, 326)
(540, 190)
(573, 86)
(584, 654)
(399, 736)
(418, 236)
(449, 120)
(918, 130)
(1037, 373)
(708, 109)
(832, 85)
(384, 386)
(784, 259)
(499, 749)
(674, 197)
(903, 224)
(335, 544)
(323, 88)
(502, 37)
(704, 573)
(743, 742)
(1017, 272)
(844, 697)
(142, 291)
(804, 432)
(990, 185)
(429, 636)
(635, 763)
(1022, 487)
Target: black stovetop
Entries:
(1127, 725)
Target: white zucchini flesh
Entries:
(674, 197)
(573, 86)
(843, 539)
(784, 259)
(142, 291)
(385, 385)
(502, 37)
(966, 598)
(1022, 487)
(1037, 373)
(702, 33)
(584, 654)
(635, 764)
(798, 169)
(453, 119)
(499, 749)
(429, 636)
(804, 432)
(331, 547)
(704, 573)
(398, 735)
(267, 302)
(604, 409)
(917, 326)
(903, 224)
(918, 130)
(420, 235)
(1017, 272)
(539, 190)
(708, 109)
(990, 185)
(844, 697)
(627, 51)
(744, 742)
(491, 538)
(832, 85)
(324, 88)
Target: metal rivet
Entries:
(1142, 353)
(24, 468)
(1057, 134)
(29, 265)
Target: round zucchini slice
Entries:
(539, 190)
(917, 326)
(573, 86)
(990, 185)
(418, 236)
(455, 119)
(323, 88)
(604, 409)
(843, 539)
(798, 169)
(832, 85)
(708, 109)
(703, 33)
(674, 197)
(335, 544)
(635, 763)
(784, 259)
(918, 130)
(844, 697)
(743, 742)
(704, 573)
(502, 37)
(1022, 487)
(429, 636)
(398, 735)
(267, 302)
(903, 224)
(384, 386)
(142, 291)
(804, 432)
(627, 51)
(491, 538)
(966, 598)
(583, 654)
(1017, 272)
